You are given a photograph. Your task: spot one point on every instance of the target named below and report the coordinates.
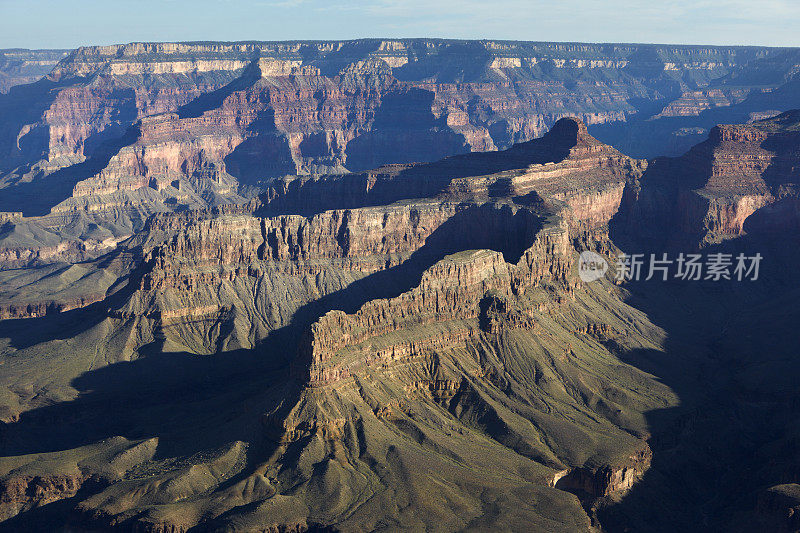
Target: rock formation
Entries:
(217, 326)
(438, 306)
(19, 66)
(729, 184)
(116, 133)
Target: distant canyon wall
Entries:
(261, 110)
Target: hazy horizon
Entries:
(397, 38)
(47, 24)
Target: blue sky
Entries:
(71, 23)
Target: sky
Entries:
(72, 23)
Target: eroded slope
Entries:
(428, 363)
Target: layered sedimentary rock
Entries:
(117, 133)
(693, 103)
(687, 120)
(371, 347)
(713, 191)
(19, 66)
(402, 346)
(338, 104)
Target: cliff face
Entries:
(19, 66)
(339, 104)
(736, 180)
(395, 346)
(372, 324)
(327, 250)
(114, 134)
(326, 106)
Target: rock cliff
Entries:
(19, 66)
(714, 190)
(401, 346)
(375, 325)
(116, 133)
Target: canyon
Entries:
(20, 66)
(335, 286)
(113, 134)
(375, 344)
(306, 365)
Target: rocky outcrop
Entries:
(589, 483)
(586, 176)
(326, 106)
(287, 345)
(23, 493)
(713, 190)
(172, 126)
(566, 164)
(453, 289)
(692, 103)
(364, 329)
(39, 309)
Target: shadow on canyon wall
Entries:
(730, 357)
(25, 105)
(212, 100)
(51, 517)
(482, 227)
(404, 120)
(643, 136)
(385, 186)
(730, 352)
(37, 197)
(173, 395)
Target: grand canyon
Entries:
(337, 286)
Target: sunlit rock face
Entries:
(219, 113)
(114, 134)
(301, 286)
(742, 178)
(375, 323)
